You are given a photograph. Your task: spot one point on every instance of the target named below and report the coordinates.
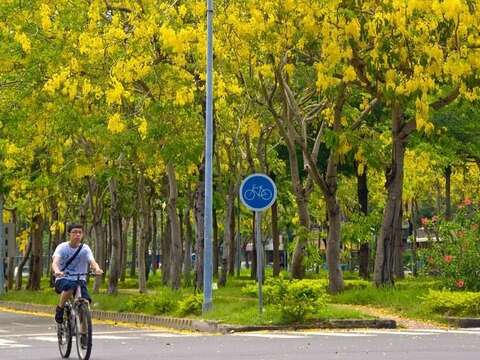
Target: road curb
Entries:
(205, 325)
(463, 322)
(133, 318)
(327, 324)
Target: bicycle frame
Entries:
(78, 323)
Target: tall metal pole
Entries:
(208, 226)
(258, 243)
(2, 248)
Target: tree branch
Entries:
(437, 105)
(116, 8)
(364, 113)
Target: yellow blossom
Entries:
(24, 42)
(116, 124)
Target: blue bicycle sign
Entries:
(258, 192)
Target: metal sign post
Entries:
(208, 224)
(258, 244)
(258, 192)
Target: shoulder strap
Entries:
(69, 261)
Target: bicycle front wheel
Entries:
(83, 324)
(64, 334)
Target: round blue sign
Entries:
(258, 192)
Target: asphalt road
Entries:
(24, 336)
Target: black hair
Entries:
(74, 226)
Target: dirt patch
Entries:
(402, 321)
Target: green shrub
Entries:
(191, 305)
(300, 298)
(456, 257)
(250, 290)
(356, 284)
(138, 303)
(163, 305)
(295, 299)
(453, 303)
(272, 290)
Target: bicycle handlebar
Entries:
(82, 274)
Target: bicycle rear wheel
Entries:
(64, 335)
(83, 323)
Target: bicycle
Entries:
(258, 192)
(77, 321)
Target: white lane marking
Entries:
(25, 325)
(440, 331)
(44, 338)
(113, 337)
(169, 335)
(94, 333)
(344, 334)
(410, 333)
(9, 344)
(271, 336)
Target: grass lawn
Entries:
(234, 306)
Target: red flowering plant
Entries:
(455, 257)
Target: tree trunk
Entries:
(187, 254)
(134, 245)
(335, 277)
(362, 193)
(232, 247)
(229, 236)
(125, 229)
(19, 277)
(142, 240)
(166, 253)
(96, 207)
(276, 240)
(11, 257)
(392, 216)
(199, 206)
(176, 241)
(215, 244)
(398, 252)
(37, 252)
(116, 253)
(148, 252)
(448, 197)
(297, 268)
(154, 241)
(182, 237)
(414, 239)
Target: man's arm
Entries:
(56, 267)
(96, 267)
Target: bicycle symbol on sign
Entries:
(257, 192)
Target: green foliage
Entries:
(190, 305)
(137, 303)
(453, 303)
(456, 257)
(272, 286)
(360, 228)
(299, 298)
(295, 299)
(163, 305)
(313, 258)
(356, 284)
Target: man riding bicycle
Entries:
(72, 257)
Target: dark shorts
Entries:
(67, 285)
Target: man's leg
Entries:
(64, 296)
